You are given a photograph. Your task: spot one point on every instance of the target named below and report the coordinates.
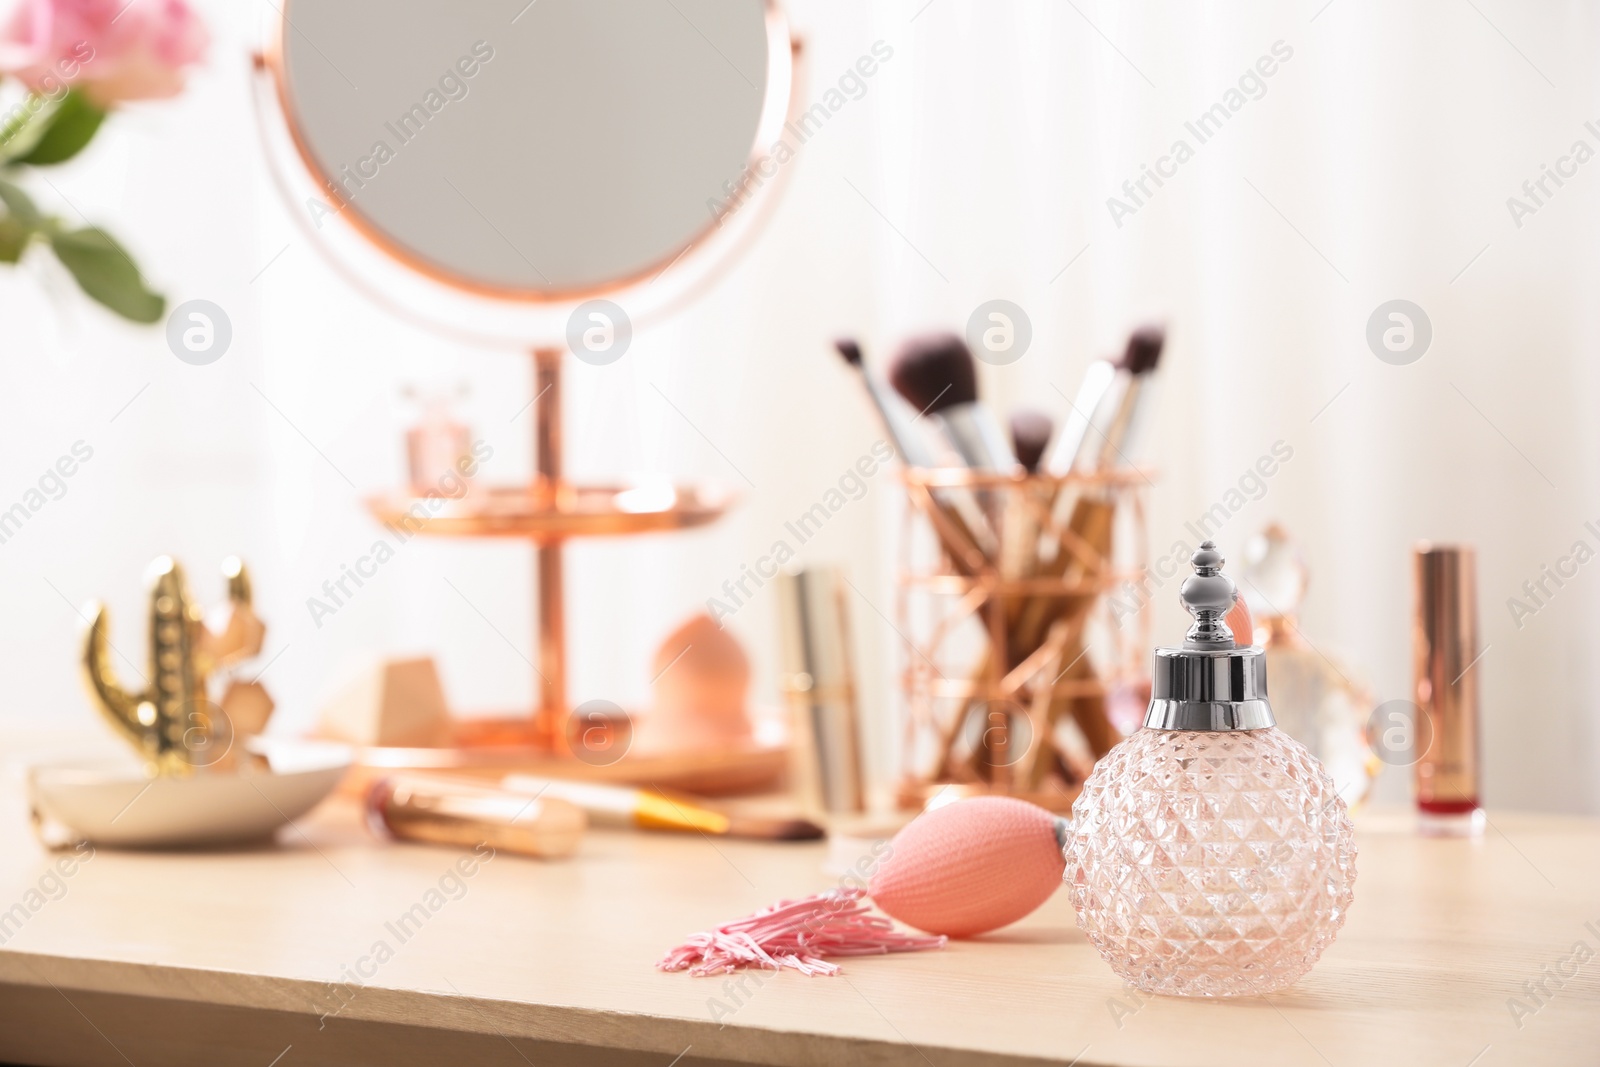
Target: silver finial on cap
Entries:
(1211, 683)
(1207, 594)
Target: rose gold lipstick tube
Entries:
(1445, 653)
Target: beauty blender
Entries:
(957, 871)
(971, 867)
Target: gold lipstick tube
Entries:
(819, 682)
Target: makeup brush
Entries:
(1089, 517)
(937, 376)
(908, 440)
(1110, 428)
(641, 809)
(1106, 386)
(448, 811)
(1115, 417)
(1024, 509)
(1084, 517)
(1030, 435)
(916, 451)
(1063, 450)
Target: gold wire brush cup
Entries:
(1022, 664)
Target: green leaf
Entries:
(107, 274)
(69, 126)
(19, 203)
(14, 236)
(24, 124)
(19, 224)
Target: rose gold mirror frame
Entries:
(780, 106)
(678, 278)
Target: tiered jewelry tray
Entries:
(536, 514)
(547, 513)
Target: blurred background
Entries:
(979, 162)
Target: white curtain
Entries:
(1373, 163)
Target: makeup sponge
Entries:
(970, 867)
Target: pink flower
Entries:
(114, 50)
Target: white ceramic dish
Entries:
(112, 802)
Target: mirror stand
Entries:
(550, 710)
(548, 512)
(706, 91)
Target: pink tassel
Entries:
(798, 934)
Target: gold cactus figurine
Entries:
(173, 723)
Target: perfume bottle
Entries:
(439, 453)
(1210, 854)
(1316, 699)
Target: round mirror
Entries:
(534, 150)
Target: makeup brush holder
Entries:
(1027, 642)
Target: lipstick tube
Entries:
(819, 682)
(1445, 651)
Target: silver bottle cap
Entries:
(1211, 683)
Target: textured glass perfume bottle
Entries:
(1210, 854)
(1316, 699)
